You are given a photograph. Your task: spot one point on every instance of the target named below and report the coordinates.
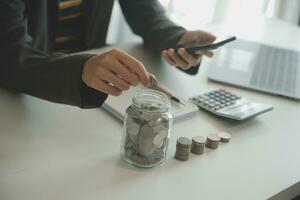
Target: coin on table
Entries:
(225, 137)
(198, 140)
(184, 141)
(214, 137)
(212, 141)
(198, 143)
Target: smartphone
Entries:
(191, 49)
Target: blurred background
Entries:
(193, 14)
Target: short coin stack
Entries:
(198, 143)
(225, 137)
(212, 141)
(183, 149)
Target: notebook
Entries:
(117, 105)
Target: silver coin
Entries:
(225, 137)
(163, 133)
(214, 137)
(146, 136)
(158, 141)
(155, 122)
(132, 112)
(133, 129)
(159, 128)
(147, 116)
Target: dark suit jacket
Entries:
(28, 65)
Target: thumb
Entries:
(206, 37)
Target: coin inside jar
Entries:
(158, 140)
(147, 126)
(133, 129)
(147, 116)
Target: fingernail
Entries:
(181, 51)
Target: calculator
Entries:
(225, 103)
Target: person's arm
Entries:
(147, 18)
(56, 77)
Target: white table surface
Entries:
(52, 151)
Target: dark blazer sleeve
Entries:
(55, 77)
(147, 18)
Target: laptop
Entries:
(259, 67)
(117, 105)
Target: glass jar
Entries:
(147, 126)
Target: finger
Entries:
(112, 78)
(205, 37)
(205, 53)
(105, 87)
(134, 66)
(187, 57)
(168, 58)
(179, 61)
(192, 37)
(122, 71)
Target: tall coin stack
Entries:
(198, 143)
(183, 147)
(212, 141)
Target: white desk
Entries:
(50, 151)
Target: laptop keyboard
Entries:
(275, 69)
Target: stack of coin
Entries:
(183, 149)
(198, 143)
(225, 137)
(212, 141)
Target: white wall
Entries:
(192, 14)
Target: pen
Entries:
(156, 86)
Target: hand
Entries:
(114, 72)
(183, 59)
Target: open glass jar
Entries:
(147, 126)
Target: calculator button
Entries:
(223, 101)
(221, 106)
(229, 103)
(237, 97)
